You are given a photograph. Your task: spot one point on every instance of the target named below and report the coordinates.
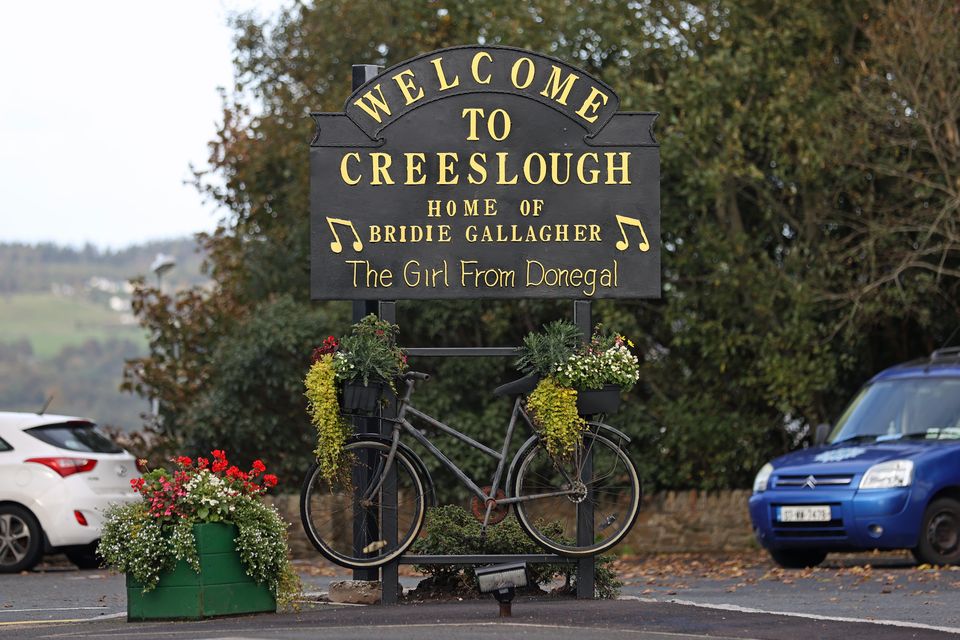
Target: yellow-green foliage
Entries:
(554, 409)
(324, 410)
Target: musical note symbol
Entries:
(622, 244)
(336, 246)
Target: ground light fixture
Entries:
(502, 580)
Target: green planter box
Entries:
(222, 587)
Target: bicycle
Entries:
(353, 523)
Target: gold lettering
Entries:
(612, 168)
(376, 106)
(368, 276)
(475, 67)
(410, 91)
(343, 168)
(594, 173)
(555, 166)
(415, 168)
(473, 112)
(478, 163)
(590, 105)
(447, 165)
(543, 168)
(554, 86)
(444, 85)
(515, 73)
(381, 162)
(502, 178)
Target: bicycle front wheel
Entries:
(352, 522)
(601, 488)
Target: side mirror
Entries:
(821, 433)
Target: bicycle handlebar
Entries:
(416, 375)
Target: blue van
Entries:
(886, 476)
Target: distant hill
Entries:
(66, 326)
(38, 268)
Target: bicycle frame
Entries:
(402, 424)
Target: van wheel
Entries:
(940, 533)
(797, 558)
(20, 539)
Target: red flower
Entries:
(184, 461)
(202, 463)
(258, 467)
(270, 480)
(234, 472)
(219, 461)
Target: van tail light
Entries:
(66, 466)
(81, 519)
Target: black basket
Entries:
(360, 398)
(593, 401)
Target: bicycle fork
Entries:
(367, 499)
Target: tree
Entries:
(793, 213)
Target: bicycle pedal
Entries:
(375, 546)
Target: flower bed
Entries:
(157, 539)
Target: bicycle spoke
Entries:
(611, 491)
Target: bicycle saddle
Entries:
(525, 384)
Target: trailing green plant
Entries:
(565, 364)
(554, 410)
(541, 352)
(324, 410)
(451, 530)
(369, 352)
(148, 537)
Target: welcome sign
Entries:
(484, 172)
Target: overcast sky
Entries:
(103, 106)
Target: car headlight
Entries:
(760, 482)
(887, 475)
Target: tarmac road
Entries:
(848, 599)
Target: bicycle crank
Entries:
(479, 509)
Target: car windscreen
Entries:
(75, 436)
(925, 409)
(4, 446)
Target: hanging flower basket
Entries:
(593, 401)
(361, 398)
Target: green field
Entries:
(52, 322)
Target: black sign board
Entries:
(484, 172)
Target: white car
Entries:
(57, 475)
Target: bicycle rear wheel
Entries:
(604, 480)
(350, 523)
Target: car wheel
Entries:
(797, 558)
(940, 533)
(86, 558)
(20, 539)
